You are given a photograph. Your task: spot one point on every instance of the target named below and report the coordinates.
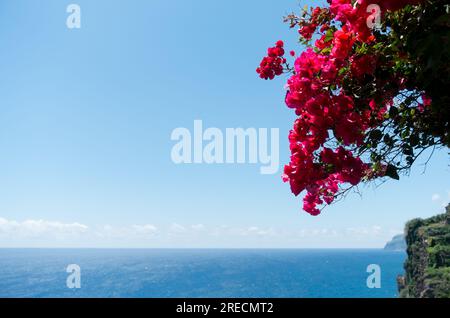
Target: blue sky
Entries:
(86, 117)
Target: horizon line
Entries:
(203, 248)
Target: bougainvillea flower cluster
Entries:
(331, 124)
(273, 64)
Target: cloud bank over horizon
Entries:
(52, 234)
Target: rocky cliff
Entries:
(427, 268)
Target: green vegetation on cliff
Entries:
(428, 264)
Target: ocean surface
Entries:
(198, 273)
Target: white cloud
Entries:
(177, 228)
(435, 197)
(442, 200)
(36, 228)
(198, 227)
(254, 230)
(145, 229)
(365, 231)
(126, 232)
(376, 229)
(42, 233)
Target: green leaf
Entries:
(329, 35)
(375, 135)
(391, 172)
(393, 112)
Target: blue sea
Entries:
(198, 273)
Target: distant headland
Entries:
(397, 244)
